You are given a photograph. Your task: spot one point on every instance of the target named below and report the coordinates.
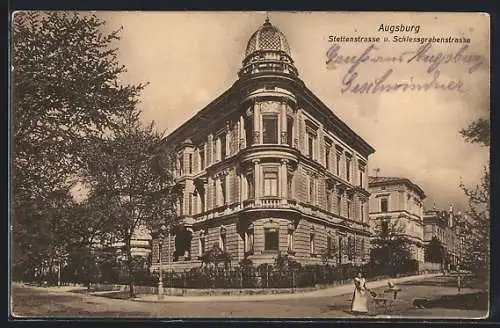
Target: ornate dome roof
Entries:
(267, 37)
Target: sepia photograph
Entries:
(286, 165)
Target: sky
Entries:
(190, 58)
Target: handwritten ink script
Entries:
(432, 60)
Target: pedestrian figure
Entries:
(393, 288)
(459, 282)
(360, 298)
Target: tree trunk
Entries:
(130, 269)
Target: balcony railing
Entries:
(271, 202)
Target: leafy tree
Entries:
(36, 235)
(390, 248)
(124, 174)
(65, 95)
(434, 251)
(478, 132)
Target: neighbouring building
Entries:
(397, 203)
(267, 168)
(451, 230)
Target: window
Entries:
(190, 204)
(337, 162)
(215, 198)
(181, 164)
(311, 190)
(223, 191)
(289, 129)
(362, 249)
(249, 130)
(312, 237)
(328, 150)
(270, 129)
(311, 140)
(349, 204)
(251, 189)
(329, 243)
(289, 182)
(361, 174)
(181, 206)
(290, 240)
(329, 200)
(190, 163)
(202, 157)
(214, 149)
(270, 183)
(202, 201)
(363, 211)
(350, 248)
(271, 239)
(348, 168)
(341, 250)
(384, 205)
(339, 204)
(223, 146)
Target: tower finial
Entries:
(267, 18)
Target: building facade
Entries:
(397, 203)
(451, 229)
(267, 168)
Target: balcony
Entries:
(275, 151)
(271, 202)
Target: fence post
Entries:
(267, 276)
(241, 277)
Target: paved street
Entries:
(59, 302)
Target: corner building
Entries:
(267, 168)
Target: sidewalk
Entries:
(333, 291)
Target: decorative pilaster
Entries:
(257, 187)
(283, 133)
(242, 188)
(241, 134)
(256, 124)
(283, 179)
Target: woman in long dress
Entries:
(360, 297)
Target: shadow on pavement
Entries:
(471, 301)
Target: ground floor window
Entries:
(312, 242)
(271, 239)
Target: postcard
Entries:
(293, 165)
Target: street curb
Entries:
(333, 291)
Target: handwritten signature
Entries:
(423, 54)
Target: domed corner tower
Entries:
(267, 80)
(267, 51)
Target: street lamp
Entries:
(160, 278)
